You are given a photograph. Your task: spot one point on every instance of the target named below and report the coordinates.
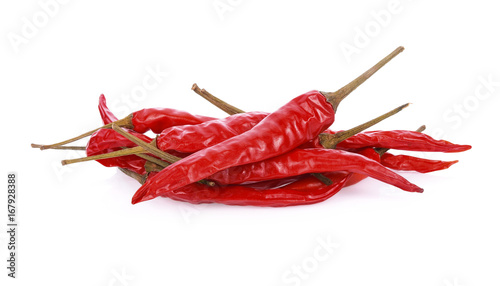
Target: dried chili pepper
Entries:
(395, 139)
(192, 138)
(410, 163)
(303, 161)
(298, 121)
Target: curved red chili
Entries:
(410, 163)
(302, 161)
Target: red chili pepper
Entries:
(290, 195)
(192, 138)
(410, 163)
(303, 161)
(159, 119)
(401, 140)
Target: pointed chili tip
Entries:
(136, 200)
(455, 148)
(139, 195)
(419, 190)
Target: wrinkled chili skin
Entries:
(192, 138)
(106, 115)
(410, 163)
(392, 139)
(159, 119)
(295, 123)
(401, 140)
(290, 195)
(302, 161)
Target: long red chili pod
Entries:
(295, 123)
(247, 196)
(402, 140)
(192, 138)
(410, 163)
(159, 119)
(302, 161)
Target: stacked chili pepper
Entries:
(287, 157)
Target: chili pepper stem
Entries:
(381, 151)
(152, 167)
(224, 106)
(336, 97)
(82, 148)
(124, 122)
(153, 150)
(330, 141)
(119, 153)
(154, 160)
(140, 178)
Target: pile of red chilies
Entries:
(288, 157)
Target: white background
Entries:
(76, 223)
